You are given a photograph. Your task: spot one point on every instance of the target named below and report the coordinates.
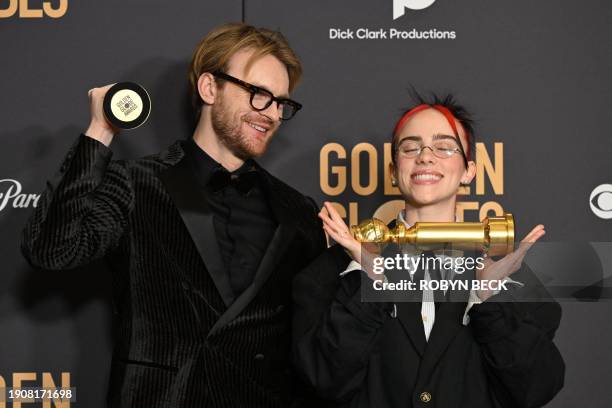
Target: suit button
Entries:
(259, 357)
(280, 308)
(425, 396)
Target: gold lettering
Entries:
(2, 392)
(58, 12)
(49, 384)
(485, 166)
(389, 188)
(10, 10)
(26, 12)
(18, 378)
(489, 206)
(462, 206)
(356, 169)
(339, 171)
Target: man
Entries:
(202, 241)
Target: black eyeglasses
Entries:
(262, 98)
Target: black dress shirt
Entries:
(243, 221)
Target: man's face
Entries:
(427, 179)
(243, 130)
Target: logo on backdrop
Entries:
(394, 33)
(12, 197)
(23, 9)
(601, 201)
(400, 6)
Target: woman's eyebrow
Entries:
(410, 138)
(443, 136)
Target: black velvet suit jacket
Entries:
(181, 340)
(357, 354)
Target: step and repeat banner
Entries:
(535, 74)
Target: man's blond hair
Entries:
(215, 50)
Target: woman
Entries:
(477, 352)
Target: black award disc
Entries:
(126, 105)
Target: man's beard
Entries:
(229, 132)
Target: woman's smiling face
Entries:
(427, 179)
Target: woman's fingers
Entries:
(512, 261)
(334, 215)
(515, 258)
(332, 228)
(535, 234)
(329, 223)
(332, 219)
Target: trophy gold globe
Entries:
(494, 235)
(126, 105)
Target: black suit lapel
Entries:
(409, 309)
(409, 315)
(448, 322)
(280, 242)
(190, 200)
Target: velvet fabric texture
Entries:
(181, 338)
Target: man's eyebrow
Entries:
(284, 96)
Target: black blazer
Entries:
(357, 354)
(181, 341)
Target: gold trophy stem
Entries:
(495, 235)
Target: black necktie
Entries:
(434, 274)
(243, 182)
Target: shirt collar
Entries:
(204, 166)
(401, 217)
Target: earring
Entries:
(394, 182)
(464, 183)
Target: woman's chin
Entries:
(425, 200)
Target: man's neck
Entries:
(206, 139)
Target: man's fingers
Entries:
(101, 89)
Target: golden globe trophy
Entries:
(494, 235)
(126, 105)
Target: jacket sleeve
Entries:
(515, 331)
(333, 331)
(82, 213)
